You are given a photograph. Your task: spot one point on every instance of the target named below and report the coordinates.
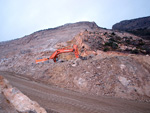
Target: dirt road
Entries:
(65, 101)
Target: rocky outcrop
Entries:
(18, 100)
(139, 26)
(110, 41)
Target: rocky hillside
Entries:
(45, 39)
(113, 63)
(139, 26)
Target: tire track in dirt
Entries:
(66, 101)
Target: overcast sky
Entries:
(23, 17)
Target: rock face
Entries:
(139, 26)
(18, 100)
(107, 66)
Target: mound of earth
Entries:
(119, 76)
(113, 63)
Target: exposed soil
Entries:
(66, 101)
(115, 64)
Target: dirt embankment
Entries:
(115, 72)
(119, 76)
(111, 74)
(65, 101)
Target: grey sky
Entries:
(23, 17)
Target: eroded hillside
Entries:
(113, 63)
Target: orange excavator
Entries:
(54, 56)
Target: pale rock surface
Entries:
(18, 100)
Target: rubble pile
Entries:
(111, 75)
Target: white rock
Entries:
(124, 80)
(122, 66)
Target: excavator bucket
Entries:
(41, 60)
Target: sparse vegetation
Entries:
(128, 41)
(113, 33)
(106, 49)
(135, 51)
(112, 39)
(112, 44)
(141, 43)
(108, 43)
(105, 33)
(148, 51)
(125, 37)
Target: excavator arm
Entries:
(54, 56)
(59, 51)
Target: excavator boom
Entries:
(54, 56)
